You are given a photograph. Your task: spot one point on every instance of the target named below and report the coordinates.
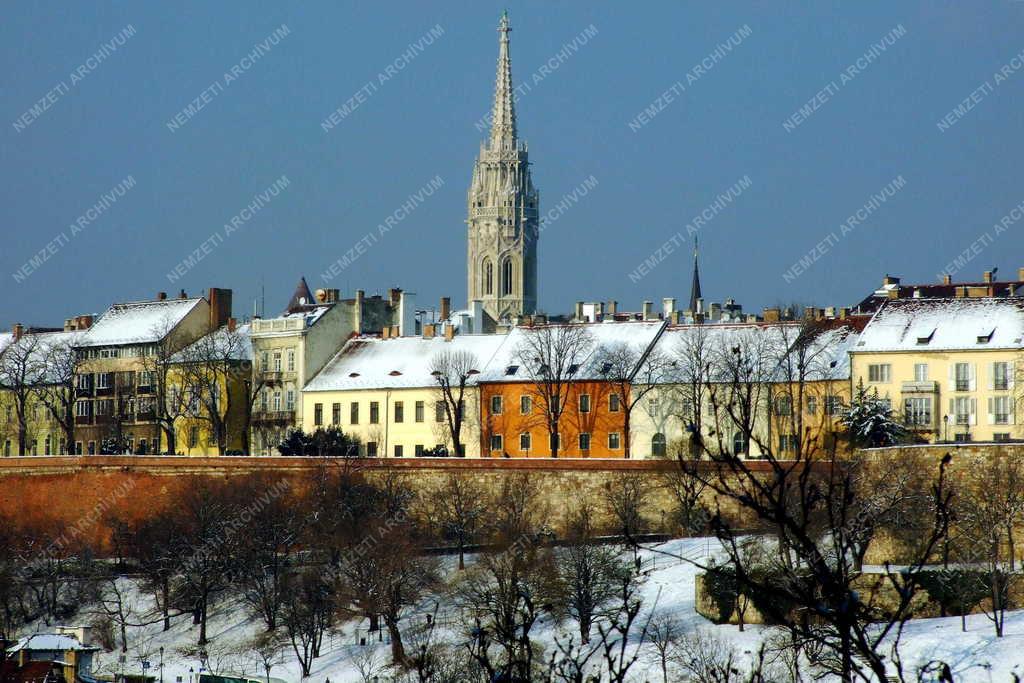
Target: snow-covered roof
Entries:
(402, 362)
(139, 322)
(508, 364)
(39, 346)
(6, 339)
(227, 345)
(49, 642)
(944, 325)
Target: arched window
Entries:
(658, 445)
(739, 444)
(506, 278)
(488, 277)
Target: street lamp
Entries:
(161, 664)
(945, 427)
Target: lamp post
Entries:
(945, 428)
(161, 664)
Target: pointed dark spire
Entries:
(695, 287)
(301, 298)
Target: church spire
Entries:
(503, 118)
(695, 287)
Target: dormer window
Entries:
(926, 338)
(986, 338)
(394, 373)
(574, 368)
(353, 374)
(511, 370)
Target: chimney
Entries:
(477, 306)
(675, 317)
(716, 311)
(844, 313)
(18, 330)
(668, 304)
(357, 313)
(386, 332)
(890, 280)
(810, 312)
(449, 332)
(393, 295)
(1020, 274)
(613, 308)
(182, 294)
(446, 307)
(771, 315)
(947, 279)
(406, 313)
(1011, 289)
(220, 307)
(578, 311)
(161, 296)
(429, 330)
(700, 305)
(987, 276)
(647, 306)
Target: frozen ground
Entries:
(974, 656)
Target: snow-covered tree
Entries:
(870, 421)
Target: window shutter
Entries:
(991, 411)
(973, 377)
(974, 411)
(952, 379)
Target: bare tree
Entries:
(211, 367)
(633, 372)
(267, 649)
(306, 615)
(665, 632)
(59, 391)
(459, 507)
(21, 373)
(169, 400)
(552, 355)
(452, 370)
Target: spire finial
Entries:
(695, 286)
(503, 118)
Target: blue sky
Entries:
(880, 123)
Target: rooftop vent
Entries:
(353, 374)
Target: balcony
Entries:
(928, 387)
(273, 416)
(276, 376)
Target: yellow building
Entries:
(384, 393)
(212, 381)
(947, 366)
(746, 389)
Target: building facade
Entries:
(947, 367)
(503, 209)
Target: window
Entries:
(658, 445)
(371, 449)
(787, 443)
(496, 405)
(584, 403)
(84, 382)
(555, 442)
(962, 410)
(264, 361)
(525, 405)
(353, 414)
(1001, 376)
(92, 448)
(81, 409)
(78, 448)
(105, 407)
(7, 448)
(917, 411)
(374, 412)
(783, 406)
(103, 380)
(812, 405)
(1000, 410)
(47, 446)
(418, 450)
(614, 441)
(833, 405)
(276, 403)
(488, 277)
(277, 361)
(398, 451)
(962, 437)
(585, 441)
(291, 361)
(419, 411)
(962, 377)
(35, 446)
(439, 411)
(613, 403)
(879, 373)
(495, 442)
(399, 411)
(318, 414)
(290, 403)
(506, 278)
(740, 445)
(335, 413)
(193, 437)
(1001, 436)
(264, 398)
(920, 372)
(524, 441)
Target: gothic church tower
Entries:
(503, 209)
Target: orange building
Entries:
(516, 389)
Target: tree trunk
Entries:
(397, 649)
(625, 434)
(165, 589)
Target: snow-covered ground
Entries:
(976, 655)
